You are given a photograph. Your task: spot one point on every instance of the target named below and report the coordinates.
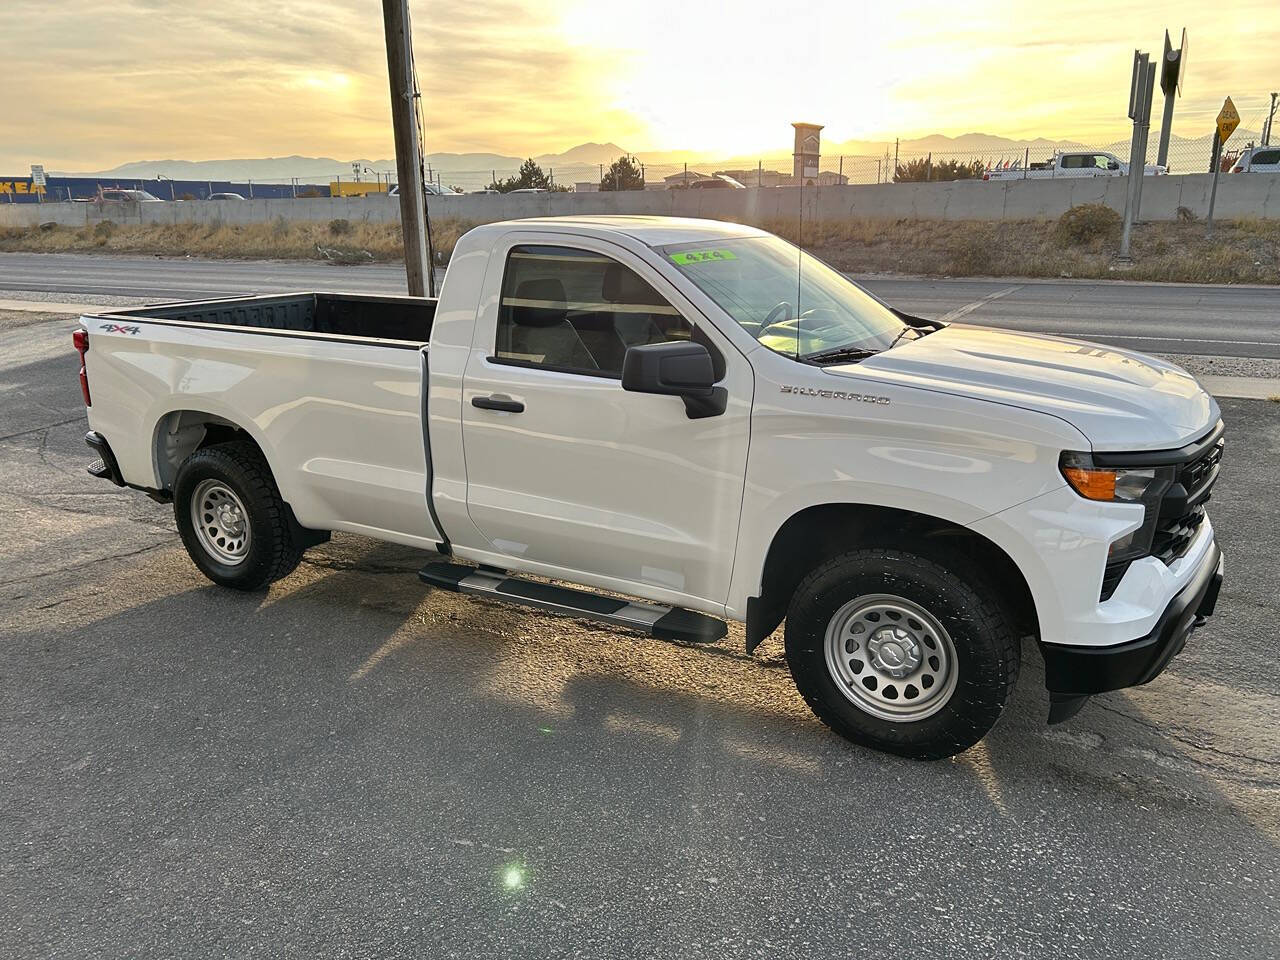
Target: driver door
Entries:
(567, 473)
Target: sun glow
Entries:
(324, 82)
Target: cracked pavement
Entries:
(349, 765)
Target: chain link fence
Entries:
(1184, 156)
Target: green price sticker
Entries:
(701, 256)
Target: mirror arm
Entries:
(712, 405)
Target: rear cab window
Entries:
(577, 311)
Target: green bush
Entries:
(339, 227)
(1085, 224)
(928, 169)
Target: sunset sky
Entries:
(92, 83)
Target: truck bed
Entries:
(398, 318)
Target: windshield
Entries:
(791, 302)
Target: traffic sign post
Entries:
(1141, 87)
(1173, 68)
(1228, 120)
(38, 181)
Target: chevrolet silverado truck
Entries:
(1079, 164)
(665, 424)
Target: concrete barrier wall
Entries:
(1239, 195)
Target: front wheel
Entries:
(232, 518)
(896, 651)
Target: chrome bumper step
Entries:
(668, 623)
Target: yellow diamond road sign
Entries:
(1228, 120)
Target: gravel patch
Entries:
(1202, 366)
(62, 296)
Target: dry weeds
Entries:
(1243, 251)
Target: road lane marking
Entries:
(1155, 338)
(968, 308)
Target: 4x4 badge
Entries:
(119, 328)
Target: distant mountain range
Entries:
(583, 161)
(325, 169)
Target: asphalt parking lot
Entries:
(350, 765)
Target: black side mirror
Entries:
(677, 369)
(1112, 165)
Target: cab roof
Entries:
(651, 231)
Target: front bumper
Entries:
(1074, 673)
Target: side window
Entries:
(1269, 157)
(1075, 161)
(578, 311)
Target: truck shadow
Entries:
(349, 705)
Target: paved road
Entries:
(350, 765)
(1158, 318)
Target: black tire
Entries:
(272, 550)
(986, 661)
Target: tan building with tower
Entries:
(807, 153)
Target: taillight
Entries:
(81, 339)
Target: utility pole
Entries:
(404, 125)
(1271, 116)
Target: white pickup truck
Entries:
(693, 421)
(1087, 163)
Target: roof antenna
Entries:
(799, 263)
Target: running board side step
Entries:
(667, 623)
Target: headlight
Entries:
(1144, 485)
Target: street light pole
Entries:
(404, 125)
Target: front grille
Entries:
(1174, 536)
(1191, 489)
(1199, 475)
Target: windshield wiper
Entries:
(855, 353)
(839, 353)
(902, 333)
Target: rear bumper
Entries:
(105, 467)
(1073, 673)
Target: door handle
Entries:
(498, 402)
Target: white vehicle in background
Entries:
(1071, 164)
(430, 189)
(1258, 160)
(117, 195)
(696, 415)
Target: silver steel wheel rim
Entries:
(221, 522)
(891, 658)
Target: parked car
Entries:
(430, 189)
(116, 195)
(1072, 164)
(529, 190)
(696, 415)
(719, 181)
(1258, 160)
(225, 196)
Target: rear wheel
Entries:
(232, 519)
(898, 652)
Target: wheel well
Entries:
(182, 432)
(817, 534)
